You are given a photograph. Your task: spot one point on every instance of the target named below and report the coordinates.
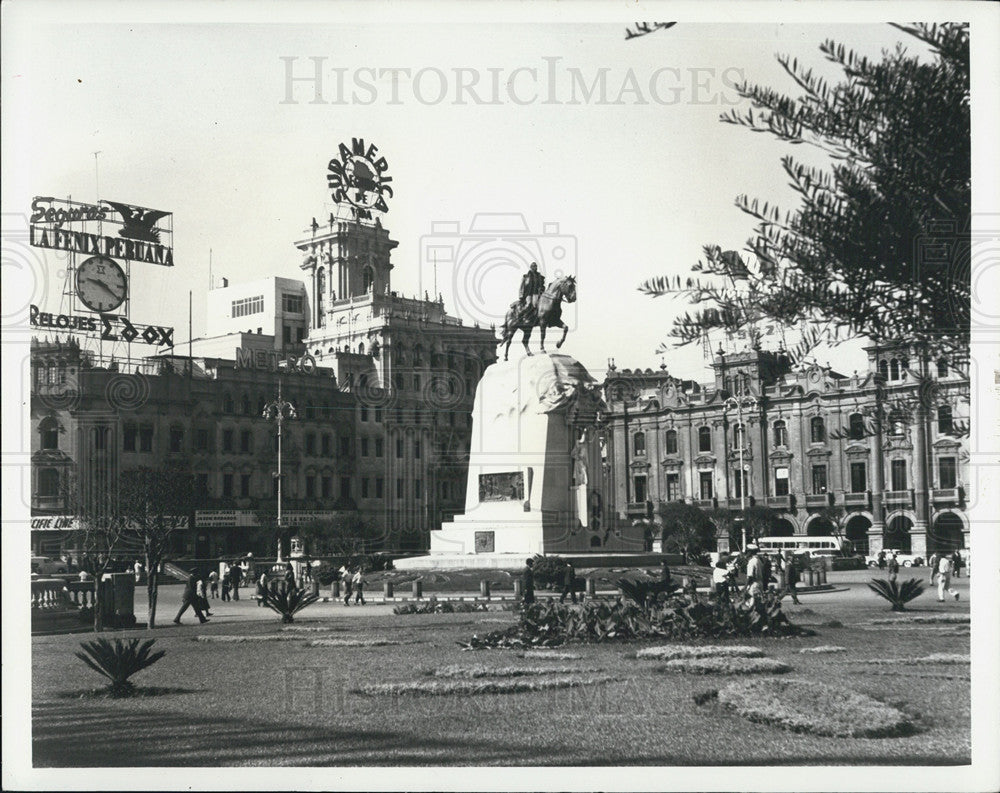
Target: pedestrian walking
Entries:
(569, 579)
(932, 564)
(235, 576)
(190, 598)
(881, 560)
(213, 584)
(289, 577)
(956, 564)
(202, 599)
(791, 578)
(227, 588)
(137, 569)
(308, 572)
(721, 577)
(755, 575)
(359, 587)
(345, 579)
(528, 583)
(944, 571)
(261, 588)
(893, 568)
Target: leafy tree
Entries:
(686, 528)
(760, 522)
(346, 534)
(879, 244)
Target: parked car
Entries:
(44, 565)
(904, 559)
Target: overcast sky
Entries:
(201, 120)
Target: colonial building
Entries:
(879, 457)
(383, 386)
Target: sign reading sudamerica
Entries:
(359, 178)
(118, 231)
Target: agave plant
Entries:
(289, 602)
(119, 661)
(897, 594)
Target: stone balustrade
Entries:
(48, 594)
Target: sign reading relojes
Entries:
(501, 487)
(112, 327)
(138, 232)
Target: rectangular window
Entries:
(326, 483)
(327, 446)
(310, 444)
(244, 485)
(201, 439)
(364, 412)
(292, 304)
(705, 485)
(416, 450)
(245, 441)
(379, 447)
(859, 477)
(176, 439)
(201, 486)
(704, 439)
(898, 474)
(364, 447)
(947, 473)
(364, 487)
(310, 487)
(300, 334)
(639, 487)
(246, 306)
(227, 485)
(673, 487)
(379, 487)
(128, 438)
(345, 487)
(781, 481)
(819, 479)
(418, 489)
(399, 488)
(345, 447)
(286, 334)
(227, 440)
(399, 448)
(378, 415)
(740, 484)
(145, 438)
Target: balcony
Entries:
(862, 500)
(950, 495)
(705, 503)
(48, 502)
(779, 502)
(899, 498)
(636, 509)
(818, 499)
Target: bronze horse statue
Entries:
(524, 316)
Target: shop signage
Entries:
(112, 327)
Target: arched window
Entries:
(944, 419)
(856, 427)
(704, 439)
(780, 433)
(942, 367)
(817, 430)
(904, 366)
(48, 429)
(739, 436)
(227, 403)
(883, 369)
(368, 278)
(48, 483)
(894, 369)
(361, 348)
(670, 441)
(639, 443)
(245, 404)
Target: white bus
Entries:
(801, 544)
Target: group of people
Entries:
(761, 571)
(354, 583)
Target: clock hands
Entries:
(104, 286)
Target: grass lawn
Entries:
(288, 703)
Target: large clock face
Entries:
(101, 284)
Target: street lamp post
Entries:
(732, 403)
(278, 411)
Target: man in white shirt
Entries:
(944, 570)
(755, 575)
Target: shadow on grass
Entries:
(82, 734)
(139, 692)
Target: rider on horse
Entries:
(532, 287)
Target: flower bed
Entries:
(507, 686)
(671, 652)
(473, 672)
(726, 666)
(814, 707)
(825, 648)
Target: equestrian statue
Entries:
(537, 305)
